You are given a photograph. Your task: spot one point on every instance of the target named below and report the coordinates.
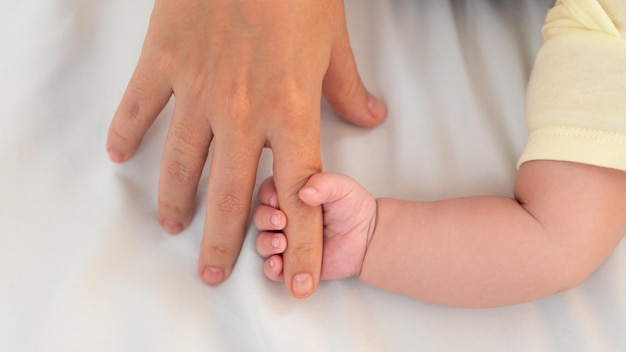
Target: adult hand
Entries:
(246, 75)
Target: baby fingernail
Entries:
(271, 201)
(302, 285)
(275, 220)
(276, 242)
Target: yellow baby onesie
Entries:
(576, 101)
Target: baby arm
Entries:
(565, 220)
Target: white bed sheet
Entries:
(84, 265)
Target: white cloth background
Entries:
(84, 265)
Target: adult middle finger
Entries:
(232, 178)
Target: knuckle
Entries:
(353, 87)
(221, 251)
(119, 137)
(164, 54)
(294, 202)
(239, 106)
(232, 205)
(240, 118)
(292, 101)
(291, 185)
(305, 250)
(190, 140)
(131, 110)
(139, 92)
(295, 109)
(172, 211)
(179, 172)
(159, 53)
(194, 86)
(233, 104)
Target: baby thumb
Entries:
(324, 188)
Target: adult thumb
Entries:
(345, 92)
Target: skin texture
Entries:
(475, 252)
(245, 75)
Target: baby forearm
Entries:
(492, 251)
(480, 251)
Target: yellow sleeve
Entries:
(576, 101)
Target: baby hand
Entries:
(349, 221)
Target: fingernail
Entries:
(272, 263)
(212, 275)
(172, 227)
(375, 107)
(302, 285)
(271, 201)
(115, 155)
(275, 220)
(276, 242)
